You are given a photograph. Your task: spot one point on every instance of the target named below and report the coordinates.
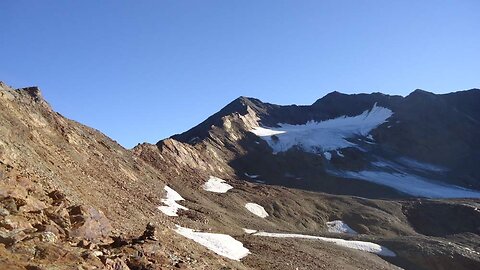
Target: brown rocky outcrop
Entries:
(88, 223)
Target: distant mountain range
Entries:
(423, 144)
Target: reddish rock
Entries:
(50, 227)
(60, 216)
(55, 253)
(88, 223)
(116, 264)
(57, 196)
(15, 223)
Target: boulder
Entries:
(88, 223)
(48, 237)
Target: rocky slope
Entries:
(72, 198)
(69, 194)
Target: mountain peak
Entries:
(421, 92)
(247, 101)
(244, 98)
(334, 94)
(421, 95)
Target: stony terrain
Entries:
(106, 192)
(71, 198)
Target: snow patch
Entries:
(256, 209)
(222, 244)
(171, 206)
(358, 245)
(217, 185)
(411, 184)
(327, 155)
(338, 226)
(249, 231)
(340, 154)
(317, 137)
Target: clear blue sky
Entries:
(144, 70)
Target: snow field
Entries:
(256, 209)
(217, 185)
(338, 226)
(222, 244)
(328, 135)
(171, 206)
(358, 245)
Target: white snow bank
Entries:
(338, 226)
(358, 245)
(327, 155)
(256, 209)
(412, 184)
(323, 136)
(215, 184)
(171, 206)
(222, 244)
(249, 231)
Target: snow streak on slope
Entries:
(412, 184)
(249, 231)
(256, 209)
(323, 136)
(170, 200)
(358, 245)
(338, 226)
(252, 176)
(420, 166)
(217, 185)
(222, 244)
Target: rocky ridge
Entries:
(69, 194)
